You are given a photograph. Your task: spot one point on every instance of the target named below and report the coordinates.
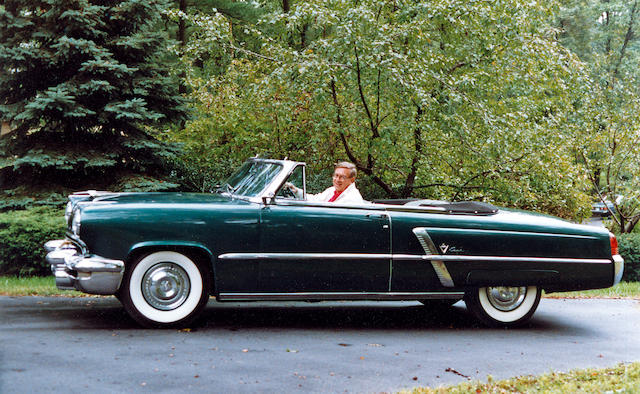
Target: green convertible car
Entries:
(164, 254)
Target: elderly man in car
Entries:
(344, 189)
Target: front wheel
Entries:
(164, 289)
(503, 305)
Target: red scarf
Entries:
(336, 194)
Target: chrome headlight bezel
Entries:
(68, 211)
(76, 222)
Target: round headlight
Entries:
(75, 223)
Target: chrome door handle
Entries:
(376, 215)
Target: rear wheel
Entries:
(503, 305)
(164, 289)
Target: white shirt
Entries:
(350, 195)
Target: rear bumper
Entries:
(75, 270)
(618, 264)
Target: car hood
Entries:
(167, 198)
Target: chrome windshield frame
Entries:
(287, 167)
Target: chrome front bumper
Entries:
(74, 270)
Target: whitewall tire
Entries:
(506, 306)
(164, 289)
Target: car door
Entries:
(322, 247)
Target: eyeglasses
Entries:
(341, 177)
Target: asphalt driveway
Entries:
(59, 344)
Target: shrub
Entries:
(22, 235)
(629, 246)
(22, 198)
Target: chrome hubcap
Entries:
(506, 299)
(165, 286)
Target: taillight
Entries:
(614, 244)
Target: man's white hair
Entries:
(349, 166)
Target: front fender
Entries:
(141, 247)
(187, 247)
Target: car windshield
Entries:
(252, 178)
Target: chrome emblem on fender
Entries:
(444, 248)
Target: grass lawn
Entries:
(40, 286)
(621, 290)
(624, 378)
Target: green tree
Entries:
(81, 85)
(446, 99)
(604, 34)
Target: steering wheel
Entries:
(287, 193)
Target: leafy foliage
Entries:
(79, 80)
(432, 99)
(22, 198)
(629, 246)
(525, 104)
(22, 235)
(604, 35)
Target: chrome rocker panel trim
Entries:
(87, 273)
(339, 296)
